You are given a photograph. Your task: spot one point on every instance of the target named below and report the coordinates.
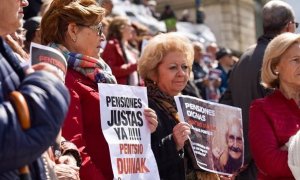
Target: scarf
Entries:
(168, 105)
(94, 69)
(165, 102)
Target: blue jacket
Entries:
(47, 99)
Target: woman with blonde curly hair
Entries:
(165, 65)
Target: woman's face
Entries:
(173, 73)
(11, 13)
(289, 67)
(127, 32)
(88, 40)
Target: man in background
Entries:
(244, 81)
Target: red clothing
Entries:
(113, 56)
(82, 126)
(273, 120)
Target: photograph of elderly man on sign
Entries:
(216, 134)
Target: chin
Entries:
(235, 155)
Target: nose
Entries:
(24, 3)
(181, 71)
(235, 143)
(103, 38)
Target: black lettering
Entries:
(139, 118)
(108, 100)
(110, 123)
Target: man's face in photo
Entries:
(235, 141)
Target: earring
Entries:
(276, 73)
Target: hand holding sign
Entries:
(124, 119)
(44, 67)
(49, 57)
(181, 133)
(151, 117)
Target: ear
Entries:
(276, 70)
(72, 31)
(154, 76)
(290, 28)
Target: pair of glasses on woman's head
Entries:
(98, 28)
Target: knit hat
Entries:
(223, 52)
(31, 25)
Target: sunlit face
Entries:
(198, 54)
(173, 73)
(11, 13)
(235, 141)
(127, 32)
(88, 41)
(228, 60)
(289, 67)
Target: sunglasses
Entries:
(98, 28)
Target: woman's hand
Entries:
(181, 133)
(151, 118)
(66, 172)
(67, 159)
(43, 67)
(217, 152)
(223, 177)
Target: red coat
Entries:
(82, 126)
(273, 120)
(113, 56)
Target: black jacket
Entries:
(244, 86)
(170, 162)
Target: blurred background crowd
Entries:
(222, 39)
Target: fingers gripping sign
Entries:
(181, 133)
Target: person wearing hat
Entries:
(225, 64)
(32, 34)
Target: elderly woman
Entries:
(275, 118)
(118, 54)
(165, 66)
(38, 89)
(74, 28)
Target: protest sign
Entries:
(126, 131)
(216, 136)
(40, 53)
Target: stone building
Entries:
(235, 23)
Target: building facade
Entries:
(232, 21)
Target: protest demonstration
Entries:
(149, 90)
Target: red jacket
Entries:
(273, 120)
(82, 126)
(113, 56)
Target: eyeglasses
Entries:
(98, 28)
(296, 24)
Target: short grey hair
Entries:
(276, 14)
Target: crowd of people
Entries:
(64, 139)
